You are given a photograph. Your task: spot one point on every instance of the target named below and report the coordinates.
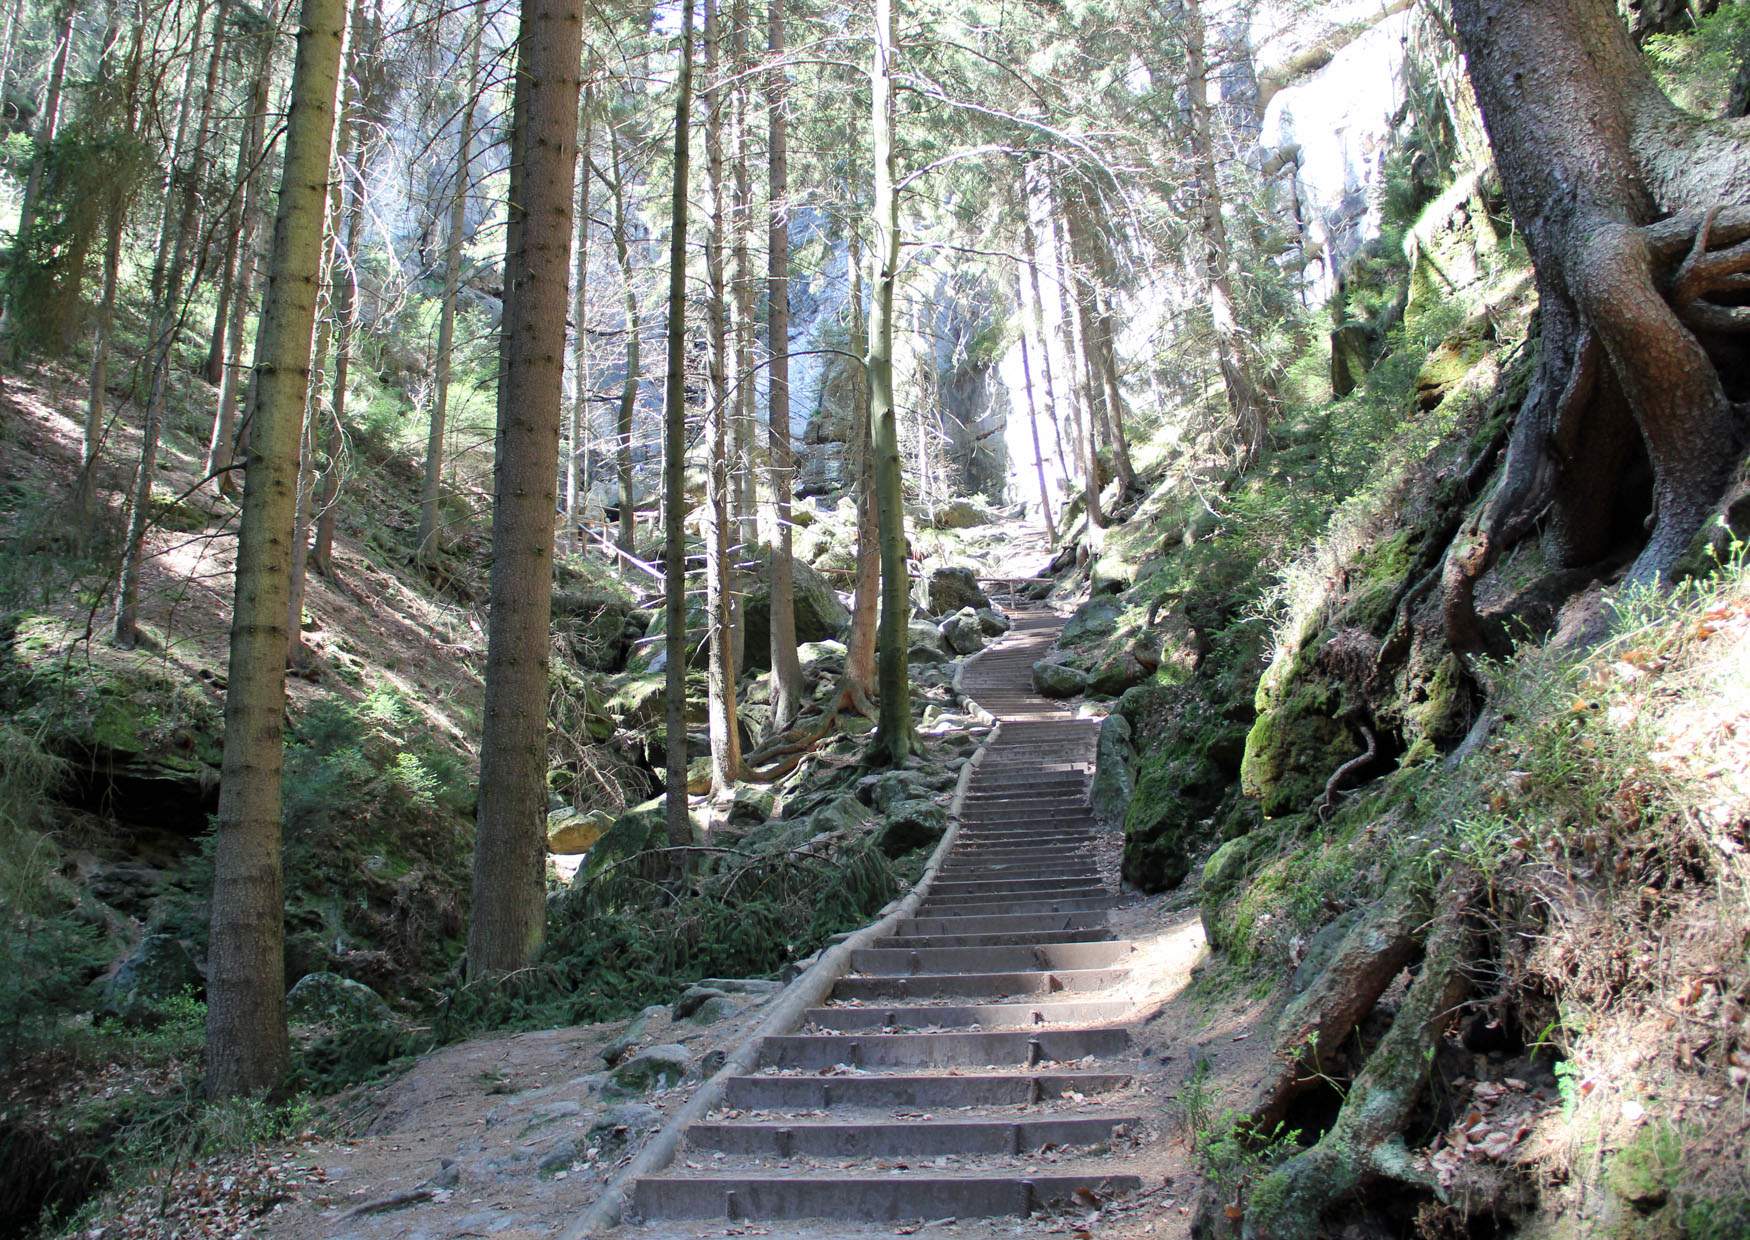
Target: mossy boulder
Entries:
(1114, 772)
(660, 1067)
(950, 589)
(961, 514)
(159, 968)
(992, 621)
(911, 825)
(1093, 620)
(1299, 737)
(1117, 672)
(329, 998)
(641, 829)
(593, 626)
(820, 614)
(962, 633)
(1058, 680)
(572, 831)
(1167, 821)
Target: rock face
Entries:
(660, 1067)
(333, 999)
(1058, 680)
(962, 632)
(820, 615)
(158, 968)
(912, 824)
(961, 514)
(950, 589)
(571, 831)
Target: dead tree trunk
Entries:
(1636, 222)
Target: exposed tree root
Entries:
(1334, 785)
(1366, 1143)
(1374, 951)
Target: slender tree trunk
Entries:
(860, 669)
(1036, 316)
(629, 389)
(786, 667)
(47, 127)
(97, 388)
(175, 227)
(9, 48)
(1247, 404)
(1075, 357)
(741, 249)
(577, 455)
(719, 595)
(1033, 427)
(511, 838)
(247, 1047)
(674, 451)
(248, 151)
(893, 737)
(230, 379)
(431, 488)
(313, 398)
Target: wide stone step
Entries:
(869, 1199)
(1004, 984)
(968, 1016)
(1017, 924)
(928, 1092)
(1015, 888)
(1069, 904)
(785, 1139)
(901, 961)
(1023, 837)
(1075, 862)
(993, 940)
(1027, 1048)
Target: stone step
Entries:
(1019, 924)
(929, 1092)
(1019, 908)
(1019, 902)
(1001, 939)
(932, 1137)
(1017, 888)
(1010, 983)
(902, 961)
(968, 1016)
(1026, 1048)
(867, 1198)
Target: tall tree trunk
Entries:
(674, 451)
(786, 666)
(1035, 315)
(1104, 404)
(1033, 428)
(1247, 404)
(116, 209)
(629, 388)
(9, 48)
(175, 229)
(578, 442)
(866, 600)
(1626, 272)
(247, 1047)
(234, 219)
(48, 126)
(431, 487)
(510, 837)
(719, 593)
(1080, 374)
(253, 155)
(741, 250)
(893, 736)
(313, 398)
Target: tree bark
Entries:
(674, 452)
(893, 734)
(247, 1046)
(1075, 328)
(1096, 324)
(175, 229)
(1615, 215)
(1033, 427)
(629, 389)
(234, 219)
(719, 595)
(97, 387)
(47, 128)
(578, 446)
(786, 666)
(1246, 402)
(443, 363)
(1035, 315)
(866, 601)
(510, 837)
(221, 447)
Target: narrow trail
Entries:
(983, 1033)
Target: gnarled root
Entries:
(1340, 776)
(1366, 1143)
(1374, 951)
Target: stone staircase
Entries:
(971, 1038)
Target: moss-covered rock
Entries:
(1058, 680)
(1095, 619)
(820, 614)
(910, 825)
(1299, 737)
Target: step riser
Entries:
(864, 1200)
(895, 962)
(880, 1140)
(961, 1016)
(1030, 908)
(934, 941)
(1014, 983)
(1002, 924)
(1017, 887)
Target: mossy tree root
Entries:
(1365, 1144)
(1374, 951)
